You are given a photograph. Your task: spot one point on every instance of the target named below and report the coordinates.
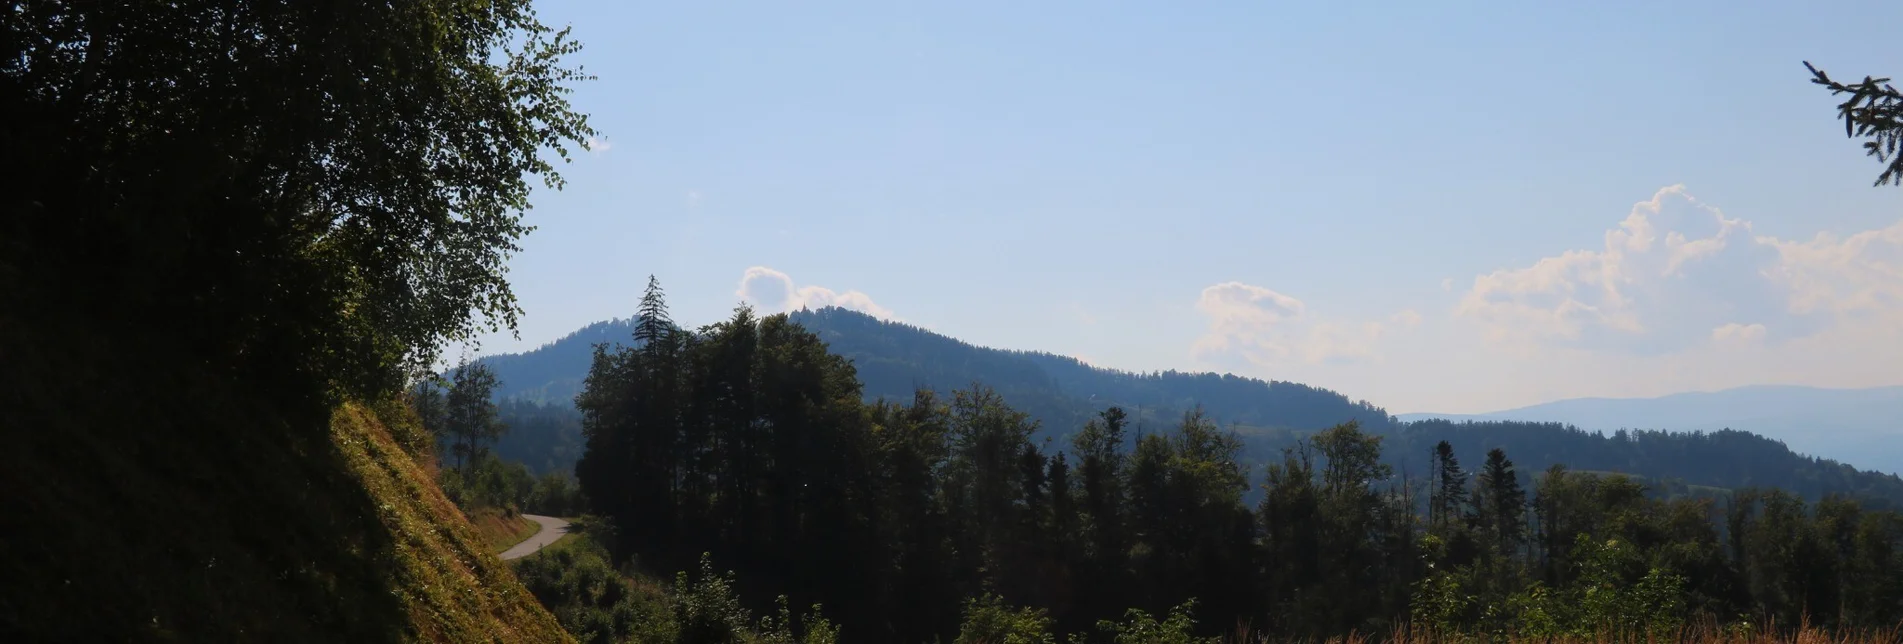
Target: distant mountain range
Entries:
(894, 359)
(1863, 427)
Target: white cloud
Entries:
(1263, 327)
(599, 145)
(1675, 297)
(774, 292)
(1861, 274)
(1738, 334)
(1406, 318)
(693, 198)
(1671, 271)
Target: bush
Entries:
(1141, 628)
(592, 601)
(989, 621)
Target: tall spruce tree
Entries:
(653, 323)
(1501, 503)
(1448, 500)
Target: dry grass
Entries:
(154, 499)
(454, 586)
(1700, 634)
(499, 530)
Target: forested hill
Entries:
(1671, 463)
(894, 358)
(553, 372)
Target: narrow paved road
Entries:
(552, 529)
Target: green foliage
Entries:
(1442, 604)
(1140, 627)
(594, 603)
(706, 608)
(988, 620)
(470, 420)
(273, 208)
(555, 494)
(364, 169)
(489, 482)
(1607, 600)
(708, 611)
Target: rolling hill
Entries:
(895, 359)
(1858, 426)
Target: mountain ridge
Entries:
(1861, 425)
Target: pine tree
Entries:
(1449, 497)
(1501, 505)
(654, 323)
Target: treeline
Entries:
(466, 428)
(749, 441)
(1668, 461)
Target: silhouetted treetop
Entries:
(1874, 109)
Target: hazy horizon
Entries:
(1617, 201)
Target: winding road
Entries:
(552, 529)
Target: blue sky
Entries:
(1427, 205)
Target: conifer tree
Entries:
(653, 324)
(1874, 110)
(1501, 506)
(1449, 496)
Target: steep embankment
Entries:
(455, 588)
(149, 499)
(498, 530)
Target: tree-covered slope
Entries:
(1858, 426)
(1725, 459)
(553, 372)
(895, 359)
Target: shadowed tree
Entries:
(269, 207)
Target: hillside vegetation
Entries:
(224, 223)
(192, 512)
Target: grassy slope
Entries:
(455, 587)
(500, 531)
(144, 499)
